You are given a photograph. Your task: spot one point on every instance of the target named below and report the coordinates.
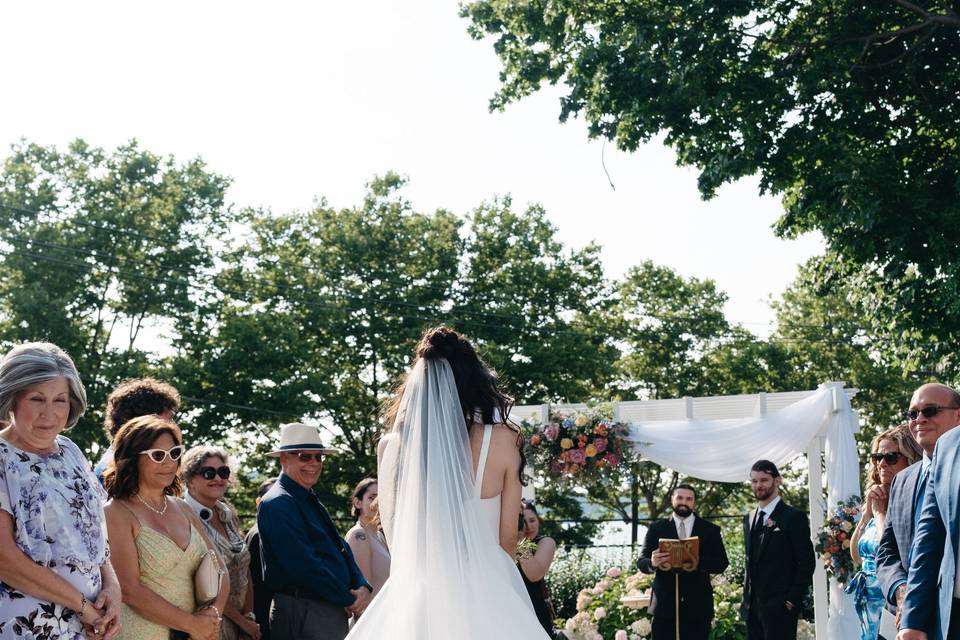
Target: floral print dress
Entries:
(57, 509)
(867, 595)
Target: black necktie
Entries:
(755, 535)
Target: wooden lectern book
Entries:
(684, 554)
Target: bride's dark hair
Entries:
(478, 386)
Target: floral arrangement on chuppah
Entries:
(581, 445)
(833, 540)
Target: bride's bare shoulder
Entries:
(507, 433)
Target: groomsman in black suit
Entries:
(779, 560)
(696, 592)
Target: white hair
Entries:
(34, 363)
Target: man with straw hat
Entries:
(306, 563)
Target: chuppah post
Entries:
(817, 515)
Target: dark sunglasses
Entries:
(209, 473)
(306, 457)
(927, 412)
(890, 458)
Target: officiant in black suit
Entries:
(696, 592)
(779, 559)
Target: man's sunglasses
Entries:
(209, 473)
(927, 412)
(890, 458)
(306, 457)
(159, 455)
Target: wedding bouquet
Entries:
(582, 444)
(833, 540)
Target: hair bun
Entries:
(439, 342)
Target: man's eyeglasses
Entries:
(159, 455)
(306, 457)
(209, 473)
(927, 412)
(890, 458)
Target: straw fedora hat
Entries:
(300, 437)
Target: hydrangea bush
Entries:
(602, 616)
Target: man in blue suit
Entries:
(931, 608)
(934, 410)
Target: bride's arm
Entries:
(510, 498)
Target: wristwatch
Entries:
(369, 588)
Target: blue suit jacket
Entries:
(894, 549)
(933, 561)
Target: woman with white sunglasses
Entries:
(156, 541)
(207, 472)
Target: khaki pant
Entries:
(298, 618)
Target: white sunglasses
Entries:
(159, 455)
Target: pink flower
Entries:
(620, 635)
(613, 572)
(577, 456)
(611, 458)
(552, 431)
(600, 444)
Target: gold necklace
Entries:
(159, 511)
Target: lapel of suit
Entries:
(766, 531)
(947, 490)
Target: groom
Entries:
(779, 560)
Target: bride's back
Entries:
(449, 493)
(501, 476)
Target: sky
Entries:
(301, 100)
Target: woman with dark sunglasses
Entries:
(207, 473)
(156, 541)
(890, 453)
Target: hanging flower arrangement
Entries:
(582, 445)
(833, 540)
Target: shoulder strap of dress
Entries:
(482, 462)
(134, 513)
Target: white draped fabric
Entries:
(724, 450)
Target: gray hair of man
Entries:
(194, 458)
(34, 363)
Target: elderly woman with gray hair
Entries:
(56, 580)
(207, 472)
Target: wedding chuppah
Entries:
(718, 438)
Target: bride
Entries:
(449, 481)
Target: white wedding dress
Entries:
(449, 576)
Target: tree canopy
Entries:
(848, 110)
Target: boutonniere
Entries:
(772, 525)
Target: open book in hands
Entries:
(684, 554)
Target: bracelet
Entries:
(83, 605)
(210, 606)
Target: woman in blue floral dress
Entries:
(890, 453)
(56, 581)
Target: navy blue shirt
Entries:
(301, 549)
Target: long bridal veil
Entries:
(449, 578)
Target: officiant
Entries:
(691, 580)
